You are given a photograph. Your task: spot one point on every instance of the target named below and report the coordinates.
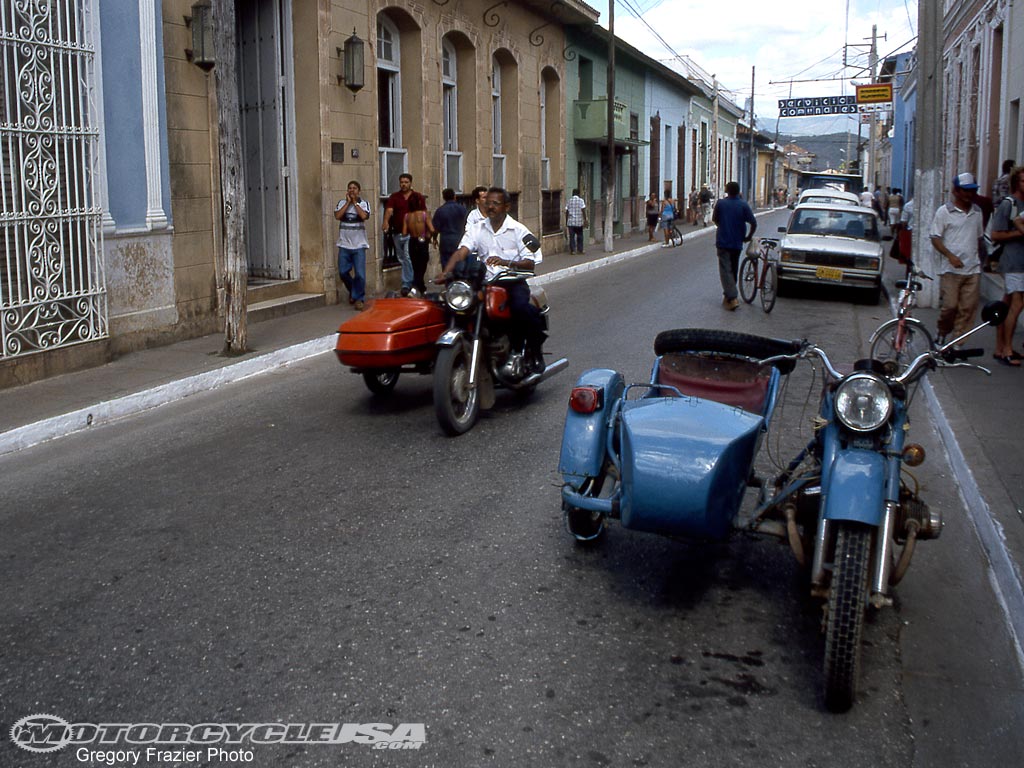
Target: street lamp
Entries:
(201, 21)
(352, 63)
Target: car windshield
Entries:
(818, 221)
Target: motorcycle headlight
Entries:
(863, 402)
(459, 295)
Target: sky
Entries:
(783, 40)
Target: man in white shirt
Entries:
(956, 229)
(502, 242)
(575, 221)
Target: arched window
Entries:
(450, 116)
(498, 178)
(393, 160)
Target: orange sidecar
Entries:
(389, 337)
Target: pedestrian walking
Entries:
(394, 216)
(668, 217)
(478, 213)
(352, 212)
(575, 221)
(1008, 229)
(450, 224)
(731, 216)
(706, 198)
(1001, 186)
(955, 233)
(419, 230)
(652, 211)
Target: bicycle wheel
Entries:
(769, 288)
(898, 342)
(675, 237)
(748, 278)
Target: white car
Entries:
(833, 244)
(828, 197)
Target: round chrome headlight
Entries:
(863, 402)
(459, 295)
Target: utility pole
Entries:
(753, 129)
(609, 213)
(873, 124)
(715, 186)
(928, 190)
(232, 179)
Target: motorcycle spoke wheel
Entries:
(456, 404)
(748, 279)
(847, 604)
(769, 289)
(381, 383)
(675, 236)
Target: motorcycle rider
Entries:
(502, 242)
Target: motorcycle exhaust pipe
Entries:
(908, 553)
(550, 370)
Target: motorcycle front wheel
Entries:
(847, 603)
(456, 404)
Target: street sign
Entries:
(881, 107)
(874, 94)
(819, 105)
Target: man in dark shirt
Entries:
(394, 216)
(450, 224)
(731, 216)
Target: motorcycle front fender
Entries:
(853, 488)
(585, 436)
(450, 337)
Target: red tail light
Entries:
(585, 399)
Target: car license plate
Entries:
(829, 273)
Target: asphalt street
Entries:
(292, 549)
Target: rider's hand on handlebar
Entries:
(496, 261)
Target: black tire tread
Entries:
(726, 342)
(846, 608)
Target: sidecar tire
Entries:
(381, 382)
(456, 405)
(847, 604)
(727, 343)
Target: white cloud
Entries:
(786, 40)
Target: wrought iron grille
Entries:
(52, 289)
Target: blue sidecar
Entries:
(676, 458)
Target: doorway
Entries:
(265, 87)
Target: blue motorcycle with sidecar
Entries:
(676, 456)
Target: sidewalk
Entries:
(979, 418)
(59, 406)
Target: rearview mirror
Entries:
(782, 229)
(995, 312)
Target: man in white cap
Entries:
(956, 229)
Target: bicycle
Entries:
(758, 273)
(892, 343)
(675, 237)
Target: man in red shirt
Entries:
(394, 216)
